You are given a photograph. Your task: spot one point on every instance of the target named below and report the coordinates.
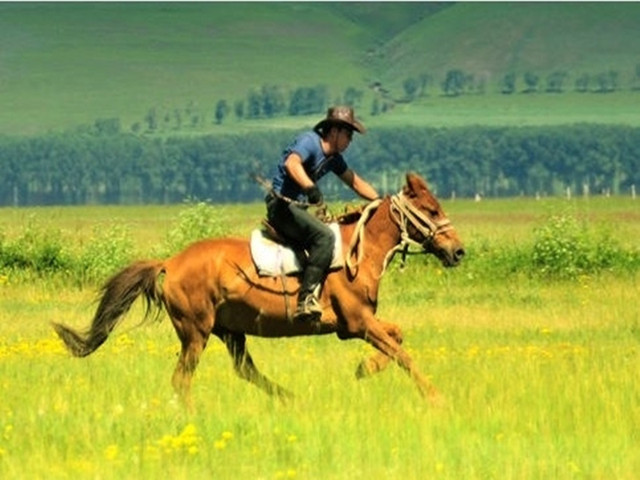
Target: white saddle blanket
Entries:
(272, 258)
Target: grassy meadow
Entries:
(540, 375)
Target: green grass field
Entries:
(540, 376)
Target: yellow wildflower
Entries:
(111, 452)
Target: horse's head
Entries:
(422, 219)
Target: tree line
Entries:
(269, 101)
(458, 82)
(105, 165)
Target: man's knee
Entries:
(324, 248)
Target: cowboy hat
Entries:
(342, 116)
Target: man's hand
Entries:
(314, 195)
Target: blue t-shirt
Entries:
(307, 145)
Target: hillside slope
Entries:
(64, 64)
(493, 38)
(77, 62)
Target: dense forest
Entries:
(102, 164)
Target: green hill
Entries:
(65, 64)
(494, 38)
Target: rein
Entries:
(356, 245)
(403, 213)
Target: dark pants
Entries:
(296, 225)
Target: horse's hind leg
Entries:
(244, 366)
(379, 361)
(194, 340)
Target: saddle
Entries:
(272, 255)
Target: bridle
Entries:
(404, 214)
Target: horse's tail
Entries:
(118, 294)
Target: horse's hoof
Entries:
(363, 370)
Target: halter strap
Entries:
(403, 213)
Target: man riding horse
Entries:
(307, 159)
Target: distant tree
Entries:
(107, 126)
(238, 109)
(606, 82)
(531, 81)
(177, 116)
(166, 120)
(319, 98)
(299, 101)
(509, 83)
(601, 82)
(273, 102)
(613, 80)
(352, 96)
(254, 104)
(387, 106)
(582, 83)
(375, 107)
(454, 83)
(222, 109)
(151, 118)
(410, 86)
(636, 78)
(308, 100)
(470, 83)
(425, 80)
(555, 81)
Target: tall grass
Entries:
(43, 250)
(559, 244)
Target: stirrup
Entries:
(308, 310)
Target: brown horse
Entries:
(212, 287)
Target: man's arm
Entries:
(293, 165)
(359, 185)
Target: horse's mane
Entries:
(351, 215)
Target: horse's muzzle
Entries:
(456, 256)
(450, 257)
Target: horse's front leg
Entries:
(376, 334)
(379, 361)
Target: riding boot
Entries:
(309, 308)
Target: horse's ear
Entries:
(415, 184)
